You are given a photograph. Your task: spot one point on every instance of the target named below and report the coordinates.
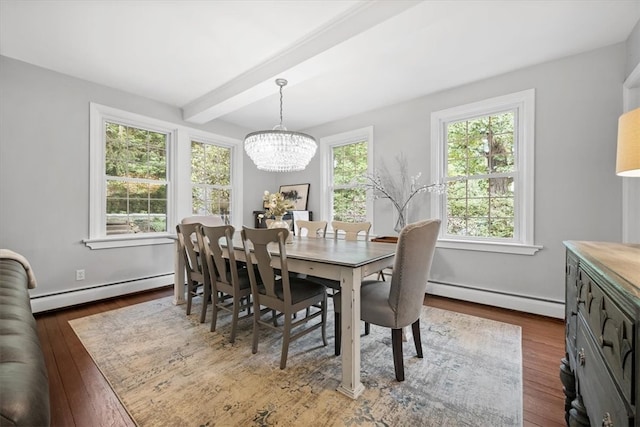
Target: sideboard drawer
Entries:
(612, 331)
(598, 391)
(571, 305)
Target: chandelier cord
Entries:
(281, 106)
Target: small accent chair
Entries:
(398, 303)
(314, 229)
(351, 229)
(187, 240)
(283, 293)
(227, 281)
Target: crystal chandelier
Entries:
(280, 150)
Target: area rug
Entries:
(170, 370)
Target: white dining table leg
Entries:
(350, 287)
(178, 276)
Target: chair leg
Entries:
(398, 362)
(338, 333)
(367, 328)
(234, 318)
(285, 340)
(324, 320)
(415, 327)
(216, 301)
(190, 287)
(206, 299)
(256, 325)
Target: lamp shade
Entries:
(628, 157)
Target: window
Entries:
(145, 174)
(346, 158)
(136, 179)
(211, 189)
(484, 153)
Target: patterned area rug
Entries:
(170, 370)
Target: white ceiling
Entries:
(219, 59)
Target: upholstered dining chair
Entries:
(398, 303)
(187, 239)
(230, 286)
(351, 230)
(284, 293)
(312, 229)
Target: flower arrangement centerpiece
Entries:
(276, 204)
(400, 188)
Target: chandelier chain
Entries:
(281, 105)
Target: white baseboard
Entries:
(488, 297)
(81, 296)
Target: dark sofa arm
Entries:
(24, 385)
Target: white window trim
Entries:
(524, 103)
(236, 170)
(326, 179)
(178, 175)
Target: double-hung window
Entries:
(484, 153)
(211, 179)
(346, 158)
(146, 174)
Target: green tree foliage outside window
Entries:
(136, 177)
(480, 176)
(349, 196)
(210, 179)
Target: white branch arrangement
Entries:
(399, 188)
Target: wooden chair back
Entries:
(351, 229)
(313, 229)
(208, 220)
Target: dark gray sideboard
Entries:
(600, 371)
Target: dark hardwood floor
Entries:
(80, 396)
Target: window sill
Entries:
(506, 248)
(128, 240)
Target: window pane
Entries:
(137, 200)
(350, 205)
(349, 163)
(481, 146)
(210, 179)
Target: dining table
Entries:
(345, 261)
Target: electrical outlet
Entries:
(79, 274)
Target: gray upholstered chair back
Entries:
(414, 253)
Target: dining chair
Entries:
(351, 230)
(208, 220)
(398, 303)
(312, 229)
(230, 286)
(187, 240)
(284, 293)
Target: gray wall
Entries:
(44, 153)
(577, 194)
(44, 179)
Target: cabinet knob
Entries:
(607, 421)
(581, 357)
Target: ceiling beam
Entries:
(258, 82)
